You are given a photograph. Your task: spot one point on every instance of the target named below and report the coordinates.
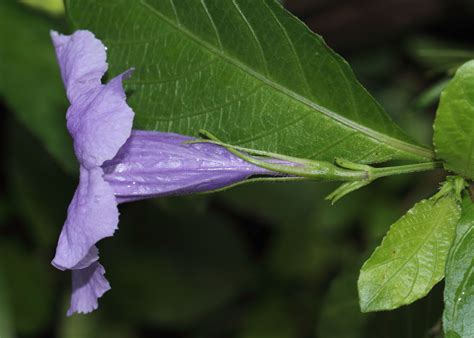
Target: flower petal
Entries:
(101, 123)
(99, 119)
(88, 285)
(82, 60)
(92, 215)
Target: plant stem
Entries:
(404, 169)
(342, 170)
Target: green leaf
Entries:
(30, 82)
(458, 318)
(421, 319)
(412, 256)
(454, 123)
(341, 317)
(245, 70)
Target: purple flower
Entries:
(118, 164)
(152, 164)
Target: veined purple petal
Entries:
(82, 60)
(152, 164)
(99, 119)
(88, 285)
(101, 123)
(92, 215)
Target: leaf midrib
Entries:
(409, 258)
(393, 142)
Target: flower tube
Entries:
(155, 164)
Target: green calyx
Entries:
(354, 175)
(453, 185)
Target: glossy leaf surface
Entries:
(248, 71)
(454, 124)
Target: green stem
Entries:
(375, 173)
(354, 175)
(316, 170)
(213, 140)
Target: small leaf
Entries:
(422, 319)
(245, 70)
(412, 256)
(458, 318)
(454, 123)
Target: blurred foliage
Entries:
(55, 7)
(28, 183)
(260, 261)
(269, 318)
(31, 298)
(437, 55)
(30, 82)
(6, 327)
(179, 262)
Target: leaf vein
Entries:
(248, 94)
(415, 251)
(388, 140)
(213, 24)
(290, 43)
(254, 37)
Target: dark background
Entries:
(261, 261)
